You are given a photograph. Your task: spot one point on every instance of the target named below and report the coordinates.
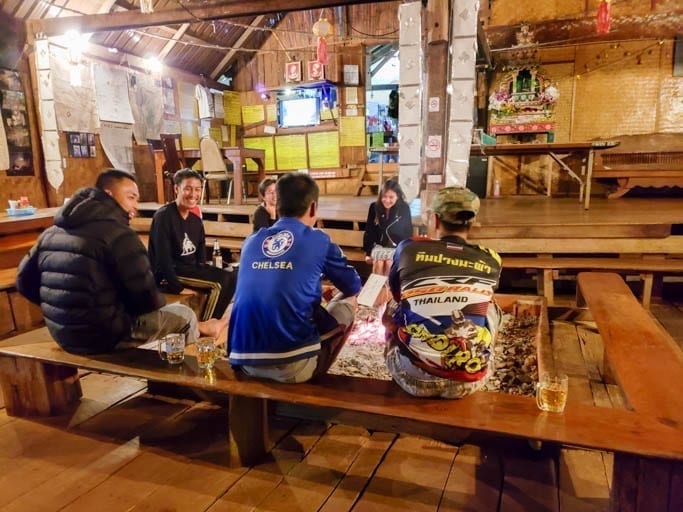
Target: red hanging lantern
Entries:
(603, 21)
(322, 28)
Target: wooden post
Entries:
(33, 388)
(436, 79)
(248, 430)
(640, 483)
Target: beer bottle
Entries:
(217, 256)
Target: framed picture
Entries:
(316, 71)
(15, 122)
(293, 71)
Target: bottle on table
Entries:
(217, 257)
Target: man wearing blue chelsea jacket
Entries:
(278, 328)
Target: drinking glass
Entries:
(174, 345)
(206, 352)
(551, 392)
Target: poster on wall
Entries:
(81, 144)
(15, 124)
(167, 95)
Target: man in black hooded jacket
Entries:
(92, 278)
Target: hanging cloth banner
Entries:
(4, 150)
(111, 88)
(75, 106)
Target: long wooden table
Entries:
(558, 152)
(237, 156)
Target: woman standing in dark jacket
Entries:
(388, 223)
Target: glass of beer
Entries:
(551, 392)
(174, 346)
(206, 352)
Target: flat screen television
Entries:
(298, 112)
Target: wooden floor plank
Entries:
(103, 392)
(255, 486)
(359, 474)
(671, 318)
(567, 351)
(411, 477)
(311, 482)
(474, 482)
(582, 481)
(43, 463)
(593, 352)
(529, 483)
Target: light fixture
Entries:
(153, 65)
(265, 96)
(322, 28)
(75, 44)
(146, 6)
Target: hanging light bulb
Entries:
(146, 6)
(75, 44)
(153, 65)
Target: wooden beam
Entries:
(238, 44)
(174, 39)
(130, 20)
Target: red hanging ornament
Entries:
(603, 21)
(322, 28)
(322, 51)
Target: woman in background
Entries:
(266, 213)
(388, 224)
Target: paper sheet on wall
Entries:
(252, 114)
(219, 111)
(75, 106)
(265, 143)
(351, 95)
(111, 91)
(232, 105)
(117, 142)
(323, 149)
(170, 126)
(188, 103)
(215, 134)
(146, 103)
(290, 152)
(271, 113)
(4, 150)
(189, 134)
(352, 131)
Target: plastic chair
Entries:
(214, 168)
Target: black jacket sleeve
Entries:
(28, 276)
(403, 229)
(371, 235)
(161, 250)
(133, 274)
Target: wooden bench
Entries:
(231, 235)
(40, 379)
(549, 266)
(650, 160)
(648, 366)
(17, 314)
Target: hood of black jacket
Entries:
(88, 205)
